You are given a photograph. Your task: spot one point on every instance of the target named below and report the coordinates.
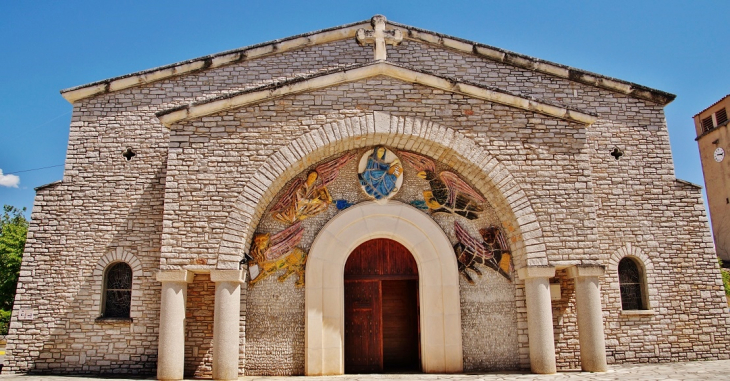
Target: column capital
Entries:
(235, 276)
(579, 271)
(181, 276)
(536, 272)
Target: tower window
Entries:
(707, 124)
(721, 117)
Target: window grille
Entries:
(707, 124)
(631, 282)
(721, 117)
(118, 291)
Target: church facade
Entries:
(368, 198)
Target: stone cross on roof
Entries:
(379, 36)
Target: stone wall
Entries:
(543, 155)
(489, 324)
(275, 331)
(105, 202)
(61, 284)
(565, 322)
(276, 309)
(199, 327)
(217, 175)
(171, 204)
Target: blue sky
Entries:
(677, 46)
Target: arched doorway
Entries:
(438, 287)
(381, 309)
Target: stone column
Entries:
(539, 318)
(226, 322)
(590, 317)
(171, 345)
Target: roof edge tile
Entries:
(201, 63)
(348, 30)
(548, 67)
(711, 106)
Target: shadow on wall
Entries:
(110, 347)
(564, 322)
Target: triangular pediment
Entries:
(364, 71)
(350, 31)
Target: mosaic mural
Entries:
(380, 173)
(490, 250)
(448, 193)
(273, 253)
(290, 225)
(306, 198)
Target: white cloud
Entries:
(10, 181)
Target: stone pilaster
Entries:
(590, 320)
(171, 346)
(539, 318)
(226, 322)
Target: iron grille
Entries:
(629, 278)
(118, 297)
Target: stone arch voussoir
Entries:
(442, 143)
(630, 250)
(114, 255)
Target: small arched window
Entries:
(117, 291)
(631, 281)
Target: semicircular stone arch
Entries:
(647, 265)
(118, 254)
(438, 285)
(441, 143)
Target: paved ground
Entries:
(698, 370)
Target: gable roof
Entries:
(368, 70)
(349, 31)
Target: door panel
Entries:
(381, 257)
(400, 325)
(363, 336)
(381, 309)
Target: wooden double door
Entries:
(381, 309)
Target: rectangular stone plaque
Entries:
(26, 314)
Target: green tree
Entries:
(13, 231)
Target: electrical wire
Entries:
(34, 169)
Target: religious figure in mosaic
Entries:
(490, 250)
(306, 198)
(272, 253)
(449, 193)
(380, 173)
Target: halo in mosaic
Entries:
(380, 173)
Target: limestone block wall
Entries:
(644, 208)
(588, 205)
(638, 203)
(199, 327)
(282, 120)
(106, 202)
(565, 322)
(69, 237)
(275, 342)
(234, 135)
